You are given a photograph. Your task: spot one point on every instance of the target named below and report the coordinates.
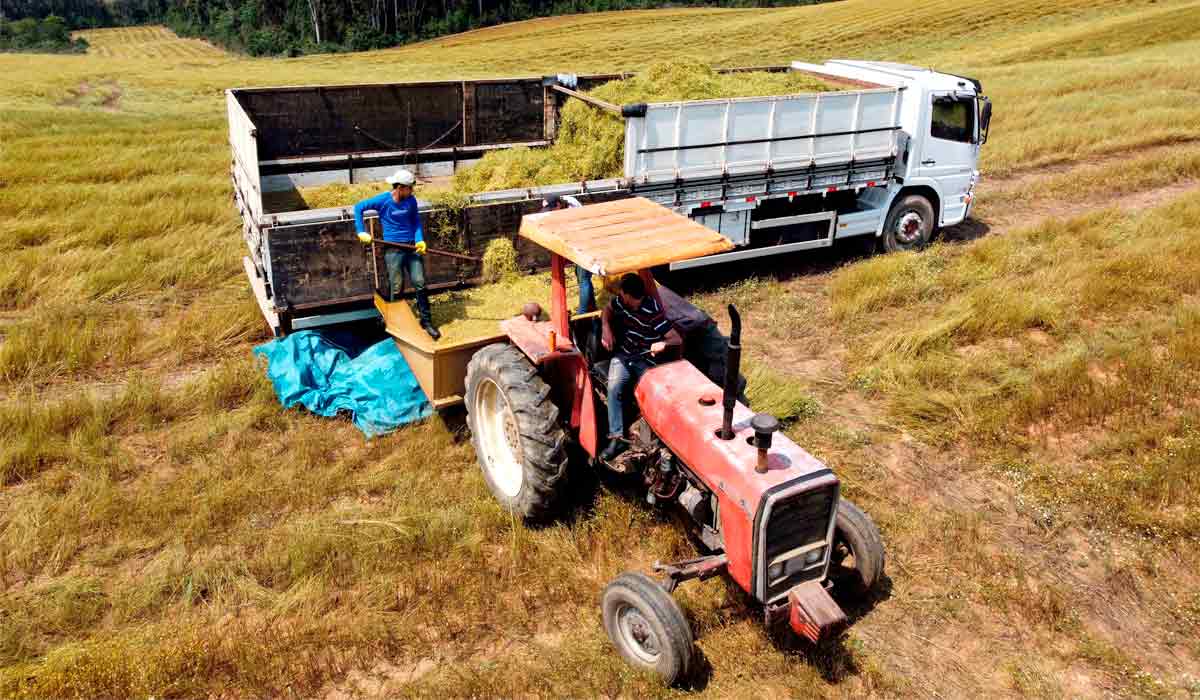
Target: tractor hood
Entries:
(683, 407)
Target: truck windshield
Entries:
(953, 119)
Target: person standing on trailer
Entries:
(401, 222)
(587, 295)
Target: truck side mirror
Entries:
(985, 119)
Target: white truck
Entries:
(895, 157)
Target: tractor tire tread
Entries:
(637, 588)
(543, 440)
(863, 537)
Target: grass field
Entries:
(1015, 406)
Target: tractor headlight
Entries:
(775, 571)
(814, 556)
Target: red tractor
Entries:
(764, 511)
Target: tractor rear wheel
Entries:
(647, 626)
(856, 563)
(518, 440)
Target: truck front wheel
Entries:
(909, 224)
(518, 440)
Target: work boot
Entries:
(433, 332)
(615, 447)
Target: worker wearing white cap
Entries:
(401, 222)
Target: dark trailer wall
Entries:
(308, 263)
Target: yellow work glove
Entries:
(420, 247)
(364, 237)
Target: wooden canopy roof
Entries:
(623, 235)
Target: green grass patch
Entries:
(778, 394)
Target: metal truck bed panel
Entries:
(707, 138)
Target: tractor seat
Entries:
(600, 376)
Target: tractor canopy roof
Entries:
(624, 235)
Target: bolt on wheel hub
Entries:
(638, 634)
(908, 228)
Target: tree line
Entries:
(292, 27)
(49, 34)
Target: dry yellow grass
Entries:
(166, 530)
(153, 43)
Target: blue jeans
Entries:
(587, 297)
(623, 375)
(402, 265)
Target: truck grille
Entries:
(796, 522)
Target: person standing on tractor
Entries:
(401, 222)
(636, 329)
(587, 295)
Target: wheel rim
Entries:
(637, 635)
(909, 226)
(843, 556)
(499, 437)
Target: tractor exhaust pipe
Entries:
(733, 370)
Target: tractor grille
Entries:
(796, 522)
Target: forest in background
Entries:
(49, 34)
(293, 27)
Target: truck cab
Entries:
(943, 121)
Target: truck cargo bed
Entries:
(713, 160)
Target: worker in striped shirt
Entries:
(636, 329)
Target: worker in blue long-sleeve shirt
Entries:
(401, 224)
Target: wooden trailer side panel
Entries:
(357, 119)
(324, 263)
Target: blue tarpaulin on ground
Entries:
(326, 376)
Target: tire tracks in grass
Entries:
(993, 221)
(978, 645)
(1015, 177)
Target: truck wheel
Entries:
(520, 445)
(909, 224)
(647, 626)
(856, 563)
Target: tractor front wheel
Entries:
(518, 440)
(647, 626)
(857, 559)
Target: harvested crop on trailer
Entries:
(590, 143)
(471, 313)
(499, 260)
(343, 195)
(340, 194)
(777, 394)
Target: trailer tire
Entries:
(647, 626)
(857, 561)
(909, 224)
(519, 442)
